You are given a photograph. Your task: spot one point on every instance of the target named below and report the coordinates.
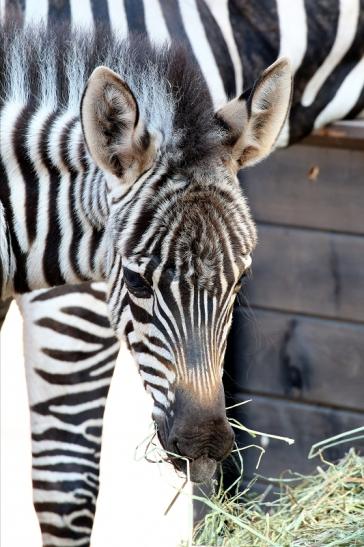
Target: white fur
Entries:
(36, 252)
(81, 14)
(345, 98)
(348, 21)
(16, 77)
(63, 197)
(2, 9)
(220, 11)
(201, 48)
(77, 78)
(148, 360)
(118, 19)
(155, 23)
(36, 11)
(49, 98)
(293, 43)
(292, 30)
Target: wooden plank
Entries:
(310, 187)
(305, 423)
(299, 357)
(344, 134)
(311, 272)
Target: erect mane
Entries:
(51, 65)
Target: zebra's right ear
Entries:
(253, 122)
(115, 136)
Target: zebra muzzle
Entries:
(202, 469)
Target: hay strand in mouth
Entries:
(253, 433)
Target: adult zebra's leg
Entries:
(70, 353)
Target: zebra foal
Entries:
(138, 190)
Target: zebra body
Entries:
(329, 80)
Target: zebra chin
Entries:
(196, 430)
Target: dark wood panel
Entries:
(306, 271)
(305, 423)
(299, 357)
(309, 186)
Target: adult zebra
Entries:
(323, 78)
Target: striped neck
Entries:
(54, 197)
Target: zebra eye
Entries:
(137, 284)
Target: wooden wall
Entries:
(297, 347)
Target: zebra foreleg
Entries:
(70, 353)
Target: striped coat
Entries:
(226, 39)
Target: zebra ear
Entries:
(254, 121)
(113, 131)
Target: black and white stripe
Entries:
(236, 40)
(67, 331)
(327, 87)
(179, 312)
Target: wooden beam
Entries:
(344, 134)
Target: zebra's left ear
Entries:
(254, 121)
(114, 133)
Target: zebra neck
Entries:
(54, 198)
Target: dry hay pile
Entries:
(324, 509)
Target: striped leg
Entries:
(70, 353)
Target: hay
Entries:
(322, 509)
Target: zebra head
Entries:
(180, 236)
